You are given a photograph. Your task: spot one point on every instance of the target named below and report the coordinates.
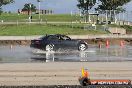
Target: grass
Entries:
(127, 27)
(39, 29)
(23, 18)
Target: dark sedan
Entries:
(56, 41)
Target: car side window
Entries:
(65, 38)
(53, 38)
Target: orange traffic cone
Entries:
(122, 43)
(107, 44)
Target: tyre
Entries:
(82, 47)
(49, 47)
(84, 82)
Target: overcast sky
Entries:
(59, 6)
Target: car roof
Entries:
(55, 35)
(46, 36)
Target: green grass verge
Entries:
(127, 27)
(23, 18)
(39, 29)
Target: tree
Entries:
(28, 7)
(111, 5)
(39, 0)
(85, 5)
(4, 2)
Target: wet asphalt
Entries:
(25, 54)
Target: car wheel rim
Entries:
(82, 47)
(49, 48)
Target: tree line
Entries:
(83, 5)
(27, 6)
(4, 2)
(86, 5)
(115, 6)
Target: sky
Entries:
(58, 6)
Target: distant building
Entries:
(44, 12)
(24, 12)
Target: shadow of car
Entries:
(56, 41)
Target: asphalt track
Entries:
(29, 73)
(25, 54)
(114, 54)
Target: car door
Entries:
(67, 42)
(53, 39)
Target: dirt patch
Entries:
(71, 86)
(15, 42)
(111, 41)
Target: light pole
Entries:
(30, 5)
(30, 8)
(39, 10)
(86, 4)
(39, 6)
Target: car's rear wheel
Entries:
(82, 47)
(49, 47)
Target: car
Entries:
(56, 41)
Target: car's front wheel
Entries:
(49, 47)
(82, 47)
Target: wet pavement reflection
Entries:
(25, 54)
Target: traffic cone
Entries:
(100, 45)
(122, 43)
(107, 44)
